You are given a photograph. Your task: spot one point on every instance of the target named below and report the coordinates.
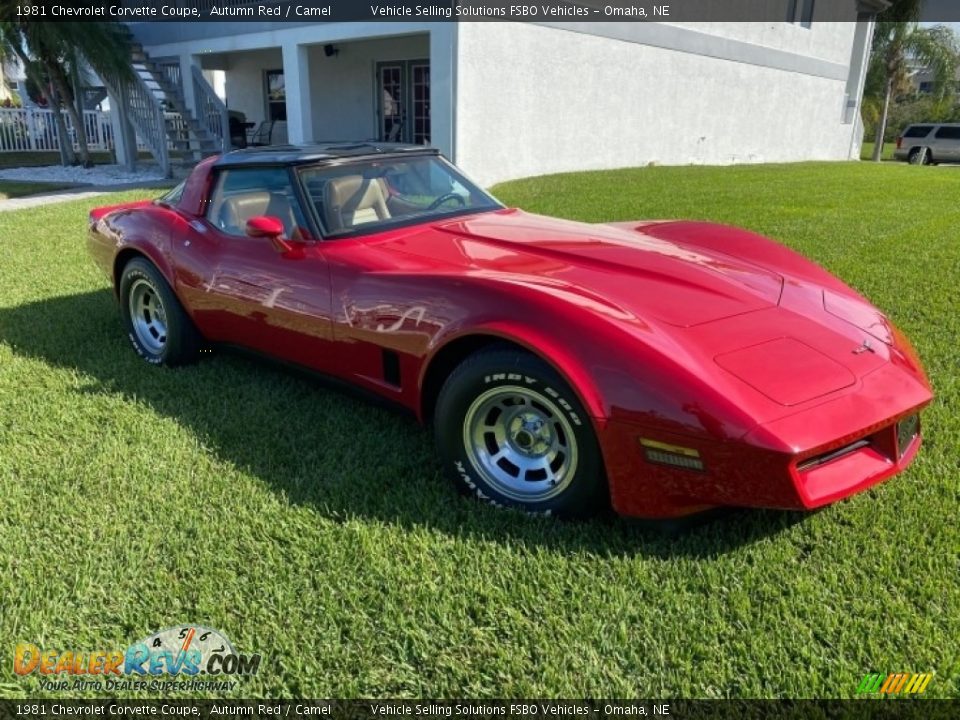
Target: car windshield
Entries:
(376, 194)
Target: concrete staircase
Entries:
(187, 139)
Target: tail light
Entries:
(899, 142)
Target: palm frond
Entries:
(937, 50)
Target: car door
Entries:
(246, 290)
(946, 143)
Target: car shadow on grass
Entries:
(342, 455)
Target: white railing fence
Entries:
(34, 130)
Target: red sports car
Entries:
(663, 367)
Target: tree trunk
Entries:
(67, 156)
(882, 125)
(60, 83)
(77, 83)
(32, 68)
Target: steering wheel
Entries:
(443, 198)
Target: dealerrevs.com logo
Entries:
(184, 658)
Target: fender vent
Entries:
(391, 367)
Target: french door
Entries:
(403, 101)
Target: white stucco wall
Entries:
(828, 41)
(342, 87)
(342, 96)
(512, 99)
(535, 99)
(245, 82)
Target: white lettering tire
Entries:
(512, 433)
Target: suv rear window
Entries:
(949, 133)
(915, 131)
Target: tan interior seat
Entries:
(236, 209)
(352, 200)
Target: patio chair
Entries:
(238, 129)
(261, 136)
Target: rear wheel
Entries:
(920, 156)
(159, 329)
(511, 432)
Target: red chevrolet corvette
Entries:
(664, 367)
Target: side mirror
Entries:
(267, 226)
(264, 226)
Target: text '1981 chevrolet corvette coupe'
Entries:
(662, 367)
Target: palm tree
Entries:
(12, 47)
(898, 40)
(55, 51)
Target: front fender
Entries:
(538, 342)
(739, 243)
(621, 368)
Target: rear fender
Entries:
(141, 231)
(130, 250)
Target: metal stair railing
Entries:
(146, 115)
(210, 111)
(171, 71)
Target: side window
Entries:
(948, 133)
(172, 197)
(918, 131)
(243, 193)
(800, 12)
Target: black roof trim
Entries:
(318, 152)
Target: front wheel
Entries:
(511, 432)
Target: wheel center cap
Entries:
(530, 434)
(524, 439)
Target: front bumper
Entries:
(802, 461)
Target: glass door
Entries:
(420, 110)
(403, 101)
(276, 96)
(390, 92)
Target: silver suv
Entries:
(928, 143)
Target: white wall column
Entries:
(857, 79)
(187, 62)
(443, 87)
(124, 137)
(296, 76)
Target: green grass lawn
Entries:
(19, 188)
(316, 529)
(866, 151)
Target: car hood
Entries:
(640, 274)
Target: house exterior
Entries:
(11, 81)
(923, 81)
(508, 100)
